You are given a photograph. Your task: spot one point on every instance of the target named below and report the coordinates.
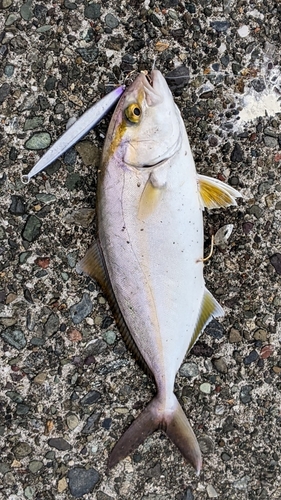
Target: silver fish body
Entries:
(150, 249)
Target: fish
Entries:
(148, 253)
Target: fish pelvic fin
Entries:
(215, 194)
(94, 266)
(210, 309)
(172, 421)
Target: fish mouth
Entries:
(152, 86)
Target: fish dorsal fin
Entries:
(210, 309)
(216, 194)
(93, 265)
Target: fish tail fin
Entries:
(172, 421)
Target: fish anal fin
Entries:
(216, 194)
(210, 309)
(172, 421)
(93, 265)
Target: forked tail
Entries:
(172, 421)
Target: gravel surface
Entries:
(68, 385)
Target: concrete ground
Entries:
(68, 387)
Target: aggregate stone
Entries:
(35, 466)
(205, 388)
(237, 154)
(256, 211)
(4, 92)
(40, 378)
(81, 217)
(44, 28)
(4, 467)
(258, 85)
(109, 337)
(72, 181)
(11, 19)
(21, 450)
(5, 4)
(80, 311)
(225, 457)
(50, 83)
(234, 336)
(14, 337)
(89, 54)
(17, 206)
(178, 77)
(39, 140)
(92, 11)
(70, 5)
(260, 334)
(270, 142)
(3, 50)
(45, 197)
(72, 421)
(13, 154)
(188, 495)
(242, 483)
(276, 262)
(89, 153)
(156, 21)
(220, 26)
(215, 329)
(211, 492)
(69, 157)
(40, 12)
(245, 394)
(22, 409)
(34, 122)
(103, 496)
(111, 21)
(91, 398)
(82, 481)
(91, 423)
(236, 68)
(189, 370)
(220, 365)
(52, 324)
(206, 444)
(14, 396)
(60, 444)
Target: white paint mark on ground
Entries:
(260, 104)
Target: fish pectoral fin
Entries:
(216, 194)
(149, 200)
(93, 265)
(174, 423)
(210, 309)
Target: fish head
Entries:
(145, 129)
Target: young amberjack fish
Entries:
(149, 250)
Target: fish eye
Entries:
(133, 113)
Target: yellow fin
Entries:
(210, 309)
(216, 194)
(149, 200)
